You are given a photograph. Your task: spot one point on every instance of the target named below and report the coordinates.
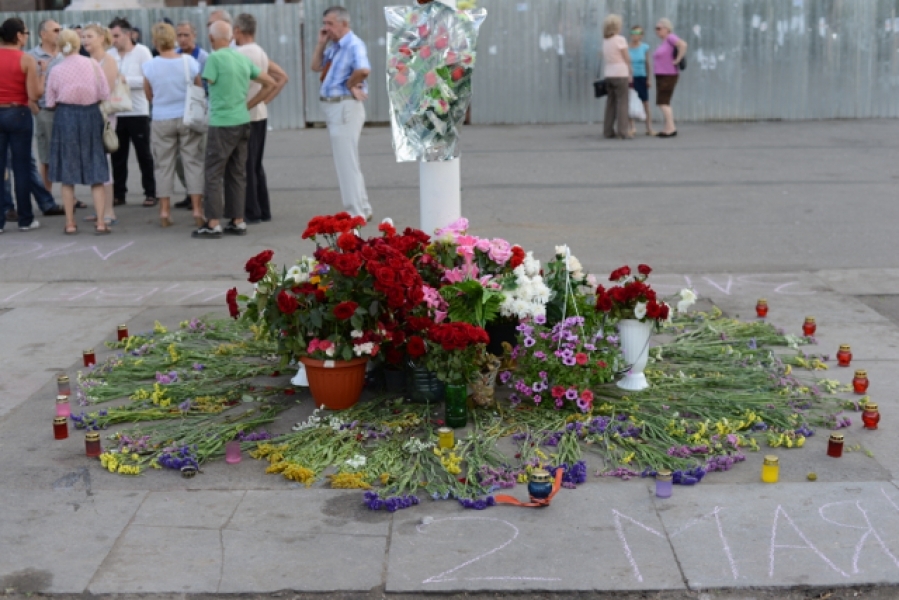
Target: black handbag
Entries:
(682, 65)
(599, 88)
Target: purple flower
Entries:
(571, 393)
(542, 375)
(199, 366)
(569, 361)
(540, 319)
(537, 399)
(505, 376)
(539, 354)
(185, 406)
(529, 342)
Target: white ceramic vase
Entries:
(634, 342)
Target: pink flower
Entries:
(425, 52)
(430, 79)
(313, 346)
(401, 79)
(558, 391)
(483, 244)
(587, 396)
(442, 42)
(581, 358)
(451, 57)
(500, 251)
(456, 228)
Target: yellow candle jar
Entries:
(445, 438)
(770, 469)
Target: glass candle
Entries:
(540, 484)
(63, 409)
(871, 416)
(89, 357)
(860, 382)
(809, 327)
(664, 484)
(92, 446)
(835, 445)
(60, 428)
(446, 438)
(232, 452)
(122, 332)
(62, 385)
(844, 356)
(761, 308)
(770, 469)
(456, 406)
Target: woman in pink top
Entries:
(666, 58)
(19, 84)
(76, 87)
(618, 75)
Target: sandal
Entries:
(90, 218)
(150, 201)
(70, 230)
(104, 231)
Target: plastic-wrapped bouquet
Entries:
(431, 52)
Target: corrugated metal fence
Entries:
(278, 32)
(748, 59)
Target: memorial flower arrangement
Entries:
(631, 297)
(431, 52)
(455, 352)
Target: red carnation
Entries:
(287, 303)
(517, 257)
(416, 346)
(644, 269)
(348, 241)
(345, 310)
(387, 229)
(231, 299)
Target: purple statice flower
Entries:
(185, 406)
(553, 439)
(479, 504)
(805, 431)
(166, 378)
(760, 426)
(598, 425)
(621, 472)
(176, 458)
(391, 504)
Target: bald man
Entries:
(228, 74)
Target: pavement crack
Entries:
(224, 526)
(386, 568)
(680, 567)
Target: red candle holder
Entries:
(761, 308)
(871, 416)
(860, 382)
(809, 327)
(89, 357)
(835, 445)
(844, 356)
(92, 447)
(122, 333)
(60, 428)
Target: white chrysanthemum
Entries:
(531, 265)
(640, 310)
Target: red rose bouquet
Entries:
(455, 352)
(631, 297)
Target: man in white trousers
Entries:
(342, 59)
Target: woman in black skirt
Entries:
(75, 88)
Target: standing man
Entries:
(257, 207)
(229, 74)
(186, 35)
(344, 68)
(134, 126)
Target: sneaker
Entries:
(56, 211)
(207, 232)
(34, 225)
(233, 228)
(186, 203)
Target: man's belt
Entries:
(334, 99)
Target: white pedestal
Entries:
(440, 196)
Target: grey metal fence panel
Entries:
(278, 32)
(748, 59)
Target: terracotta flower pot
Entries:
(335, 384)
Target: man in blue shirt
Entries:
(342, 59)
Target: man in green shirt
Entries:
(228, 74)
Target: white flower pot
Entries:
(634, 342)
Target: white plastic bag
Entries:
(635, 106)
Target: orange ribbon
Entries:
(534, 503)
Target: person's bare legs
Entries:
(648, 110)
(165, 212)
(68, 203)
(669, 118)
(44, 170)
(196, 201)
(99, 195)
(110, 205)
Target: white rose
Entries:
(688, 298)
(591, 280)
(640, 310)
(562, 250)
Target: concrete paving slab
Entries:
(595, 538)
(785, 534)
(860, 282)
(258, 562)
(53, 541)
(207, 509)
(136, 294)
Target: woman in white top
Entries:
(96, 39)
(618, 75)
(166, 81)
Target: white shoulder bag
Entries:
(196, 111)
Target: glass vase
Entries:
(423, 386)
(456, 406)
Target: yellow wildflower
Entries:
(627, 459)
(522, 478)
(788, 369)
(140, 394)
(159, 328)
(349, 481)
(295, 472)
(540, 454)
(173, 353)
(384, 478)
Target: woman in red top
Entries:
(19, 84)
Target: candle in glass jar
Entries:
(60, 428)
(122, 332)
(761, 308)
(446, 438)
(844, 356)
(89, 357)
(809, 327)
(871, 416)
(835, 445)
(232, 452)
(92, 447)
(62, 385)
(63, 409)
(664, 484)
(770, 469)
(860, 381)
